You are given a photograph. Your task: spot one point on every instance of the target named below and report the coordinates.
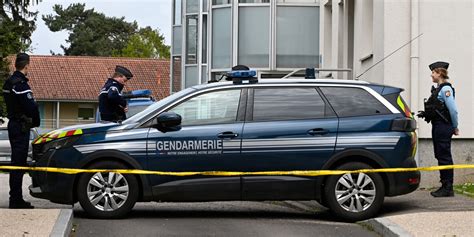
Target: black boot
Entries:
(20, 205)
(446, 190)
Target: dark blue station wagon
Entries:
(266, 125)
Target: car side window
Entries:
(272, 104)
(210, 108)
(4, 134)
(350, 101)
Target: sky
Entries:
(154, 13)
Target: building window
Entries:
(254, 1)
(205, 6)
(221, 2)
(191, 39)
(298, 1)
(254, 36)
(177, 40)
(191, 76)
(297, 37)
(204, 39)
(176, 83)
(204, 77)
(221, 38)
(192, 6)
(85, 113)
(177, 12)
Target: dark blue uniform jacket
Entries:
(111, 102)
(19, 99)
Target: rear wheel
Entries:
(354, 197)
(107, 194)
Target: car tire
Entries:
(354, 197)
(104, 198)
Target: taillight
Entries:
(404, 125)
(404, 107)
(413, 181)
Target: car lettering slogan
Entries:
(189, 147)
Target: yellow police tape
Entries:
(235, 173)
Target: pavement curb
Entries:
(63, 224)
(385, 227)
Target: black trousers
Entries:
(19, 142)
(442, 133)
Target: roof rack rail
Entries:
(317, 70)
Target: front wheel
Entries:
(107, 194)
(354, 197)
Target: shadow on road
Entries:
(224, 211)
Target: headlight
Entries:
(60, 143)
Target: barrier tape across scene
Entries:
(234, 173)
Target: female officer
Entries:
(445, 124)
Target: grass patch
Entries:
(465, 189)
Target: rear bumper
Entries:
(404, 182)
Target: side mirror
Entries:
(168, 121)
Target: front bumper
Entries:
(56, 187)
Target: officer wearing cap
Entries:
(441, 111)
(23, 114)
(112, 106)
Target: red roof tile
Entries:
(80, 78)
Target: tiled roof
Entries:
(80, 78)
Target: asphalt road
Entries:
(205, 219)
(218, 219)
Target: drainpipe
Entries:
(414, 59)
(57, 115)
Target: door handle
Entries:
(318, 132)
(227, 135)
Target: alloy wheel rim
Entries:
(355, 192)
(107, 191)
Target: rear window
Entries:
(398, 102)
(349, 101)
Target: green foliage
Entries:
(147, 43)
(90, 33)
(94, 34)
(16, 26)
(466, 189)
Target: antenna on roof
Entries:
(309, 72)
(368, 69)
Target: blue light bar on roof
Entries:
(141, 93)
(241, 74)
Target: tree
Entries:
(90, 33)
(147, 43)
(17, 24)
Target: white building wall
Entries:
(447, 28)
(381, 27)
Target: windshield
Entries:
(132, 110)
(155, 106)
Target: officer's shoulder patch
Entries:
(29, 96)
(447, 93)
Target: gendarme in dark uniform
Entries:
(112, 105)
(441, 111)
(23, 115)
